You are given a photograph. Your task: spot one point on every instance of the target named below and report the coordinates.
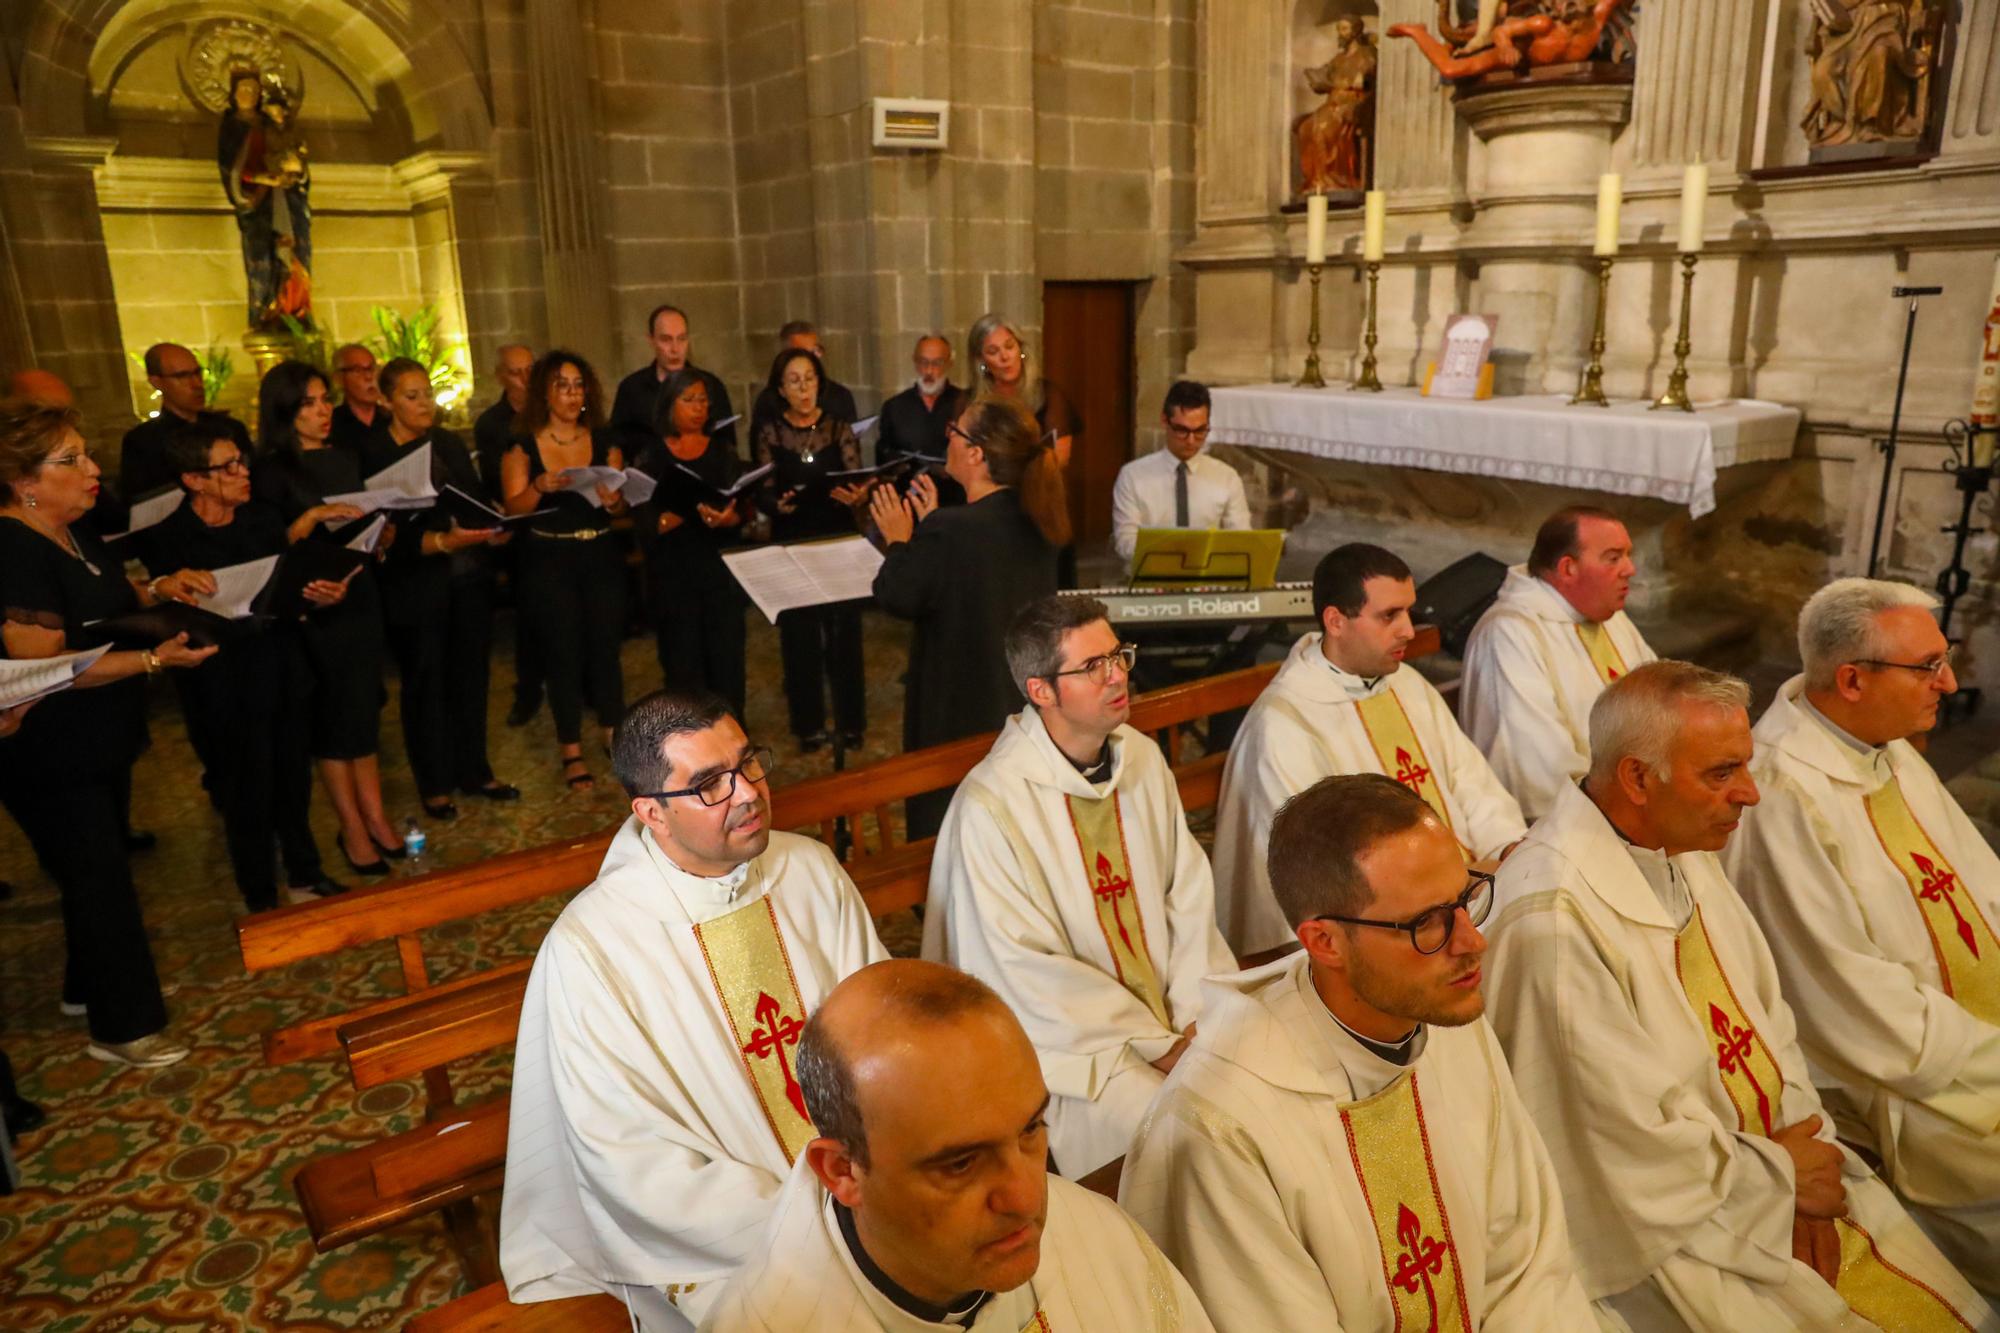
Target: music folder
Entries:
(284, 597)
(1237, 557)
(735, 488)
(154, 625)
(472, 513)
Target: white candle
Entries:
(1694, 199)
(1608, 197)
(1375, 212)
(1316, 229)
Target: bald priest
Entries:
(1344, 702)
(926, 1205)
(656, 1104)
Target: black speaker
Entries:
(1456, 596)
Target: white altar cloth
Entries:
(1624, 449)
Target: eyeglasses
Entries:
(1098, 668)
(1430, 930)
(1929, 670)
(368, 369)
(1187, 432)
(797, 381)
(953, 428)
(70, 460)
(236, 464)
(719, 787)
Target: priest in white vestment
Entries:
(1641, 1013)
(1066, 879)
(1546, 648)
(1880, 901)
(1342, 1146)
(927, 1202)
(1343, 702)
(656, 1108)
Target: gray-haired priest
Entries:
(1880, 900)
(656, 1108)
(1650, 1040)
(1342, 1146)
(1066, 878)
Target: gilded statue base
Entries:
(266, 349)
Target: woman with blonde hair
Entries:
(1005, 370)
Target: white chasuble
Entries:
(1641, 1014)
(1099, 1274)
(1300, 1181)
(655, 1104)
(1314, 721)
(1533, 668)
(1090, 908)
(1880, 901)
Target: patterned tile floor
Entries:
(161, 1200)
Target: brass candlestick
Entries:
(1590, 389)
(1312, 379)
(1368, 381)
(1677, 382)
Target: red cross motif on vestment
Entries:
(1409, 772)
(776, 1030)
(1941, 886)
(1422, 1258)
(1732, 1055)
(1114, 890)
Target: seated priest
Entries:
(655, 1105)
(1066, 878)
(927, 1203)
(1180, 486)
(1638, 1005)
(1344, 703)
(1543, 652)
(1342, 1145)
(1880, 899)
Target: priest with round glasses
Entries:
(1342, 1146)
(656, 1104)
(1066, 878)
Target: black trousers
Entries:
(77, 828)
(527, 652)
(446, 663)
(821, 644)
(263, 774)
(699, 630)
(574, 603)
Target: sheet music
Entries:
(150, 511)
(408, 476)
(727, 422)
(375, 501)
(369, 537)
(866, 424)
(842, 570)
(585, 481)
(781, 578)
(29, 679)
(639, 486)
(236, 586)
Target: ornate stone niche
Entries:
(1331, 144)
(1855, 85)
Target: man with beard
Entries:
(1284, 1166)
(926, 1201)
(914, 421)
(655, 1107)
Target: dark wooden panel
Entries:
(1087, 351)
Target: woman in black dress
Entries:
(437, 590)
(69, 767)
(572, 582)
(295, 471)
(961, 573)
(695, 602)
(1000, 356)
(817, 644)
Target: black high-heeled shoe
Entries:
(377, 867)
(393, 853)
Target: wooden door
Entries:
(1087, 351)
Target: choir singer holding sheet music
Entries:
(1180, 486)
(71, 761)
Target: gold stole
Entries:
(752, 975)
(1873, 1287)
(1604, 654)
(1107, 871)
(1968, 956)
(1039, 1324)
(1398, 750)
(1391, 1151)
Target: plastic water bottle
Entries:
(414, 841)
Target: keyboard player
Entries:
(1180, 486)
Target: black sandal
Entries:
(582, 781)
(442, 810)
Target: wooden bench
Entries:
(488, 1310)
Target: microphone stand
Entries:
(1973, 478)
(1888, 446)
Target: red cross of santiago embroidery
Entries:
(1732, 1055)
(1114, 890)
(776, 1030)
(1409, 772)
(1422, 1258)
(1941, 886)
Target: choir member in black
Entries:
(914, 421)
(142, 457)
(69, 766)
(817, 644)
(490, 434)
(637, 403)
(360, 413)
(696, 604)
(295, 470)
(572, 581)
(1000, 354)
(835, 397)
(248, 706)
(437, 593)
(960, 574)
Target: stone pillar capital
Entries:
(1546, 107)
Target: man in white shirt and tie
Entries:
(1179, 486)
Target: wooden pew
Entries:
(487, 1310)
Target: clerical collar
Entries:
(1395, 1053)
(959, 1313)
(1567, 607)
(1347, 678)
(1662, 876)
(1840, 733)
(1095, 770)
(726, 886)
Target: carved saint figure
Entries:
(1568, 31)
(1871, 65)
(1336, 140)
(268, 179)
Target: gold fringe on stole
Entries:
(1968, 956)
(1391, 1151)
(1884, 1294)
(1398, 750)
(752, 975)
(1039, 1324)
(1604, 654)
(1107, 871)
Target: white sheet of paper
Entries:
(639, 486)
(842, 570)
(374, 502)
(146, 513)
(369, 537)
(35, 678)
(866, 424)
(585, 481)
(408, 476)
(236, 586)
(781, 578)
(727, 421)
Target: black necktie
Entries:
(1180, 496)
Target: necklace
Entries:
(62, 538)
(560, 442)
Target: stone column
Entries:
(65, 279)
(576, 265)
(451, 198)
